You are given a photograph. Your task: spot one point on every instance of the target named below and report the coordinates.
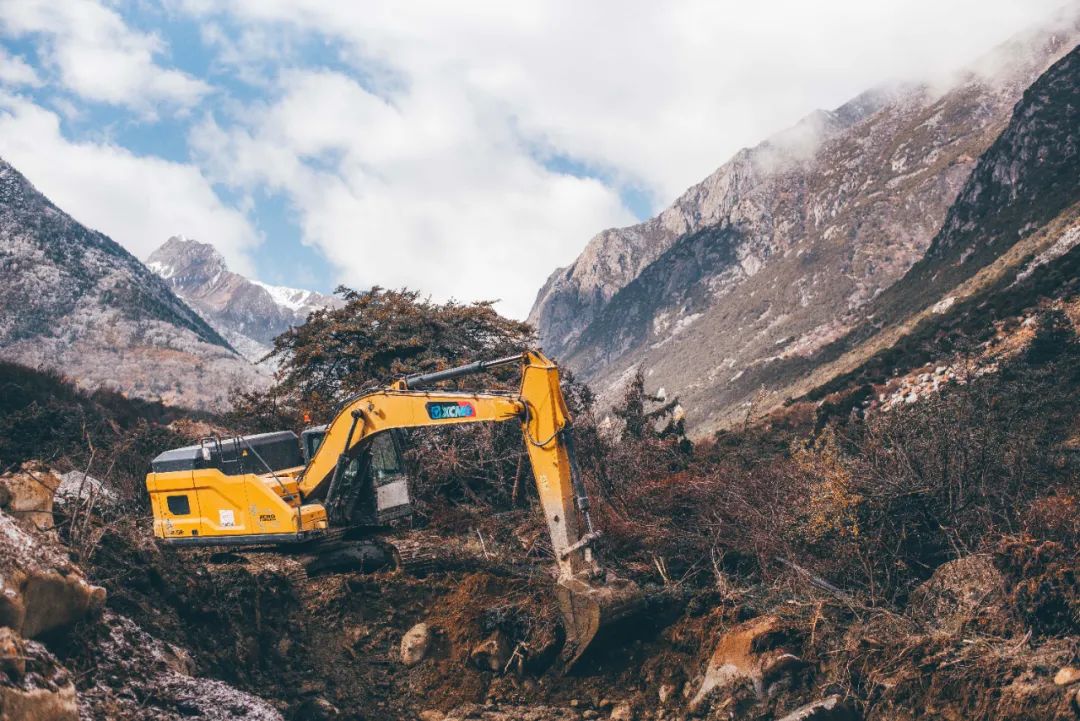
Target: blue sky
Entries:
(461, 149)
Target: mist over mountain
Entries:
(776, 255)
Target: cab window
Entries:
(385, 461)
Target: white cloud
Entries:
(657, 93)
(423, 194)
(433, 181)
(99, 57)
(136, 200)
(416, 140)
(16, 71)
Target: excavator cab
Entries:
(372, 487)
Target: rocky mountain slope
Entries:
(1007, 248)
(775, 255)
(73, 300)
(249, 314)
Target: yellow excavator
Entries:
(276, 488)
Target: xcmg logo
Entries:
(459, 409)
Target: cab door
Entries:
(175, 504)
(388, 478)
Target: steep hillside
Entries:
(785, 244)
(248, 313)
(73, 300)
(1007, 247)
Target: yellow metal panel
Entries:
(171, 481)
(241, 505)
(167, 524)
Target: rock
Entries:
(415, 644)
(622, 712)
(12, 655)
(666, 692)
(740, 655)
(431, 715)
(590, 714)
(493, 653)
(39, 704)
(831, 708)
(76, 487)
(40, 589)
(29, 495)
(317, 709)
(957, 592)
(1067, 675)
(44, 693)
(777, 665)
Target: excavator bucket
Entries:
(590, 609)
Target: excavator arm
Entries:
(538, 406)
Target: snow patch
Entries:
(291, 298)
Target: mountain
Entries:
(1008, 248)
(73, 300)
(248, 313)
(776, 255)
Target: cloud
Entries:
(655, 95)
(464, 149)
(97, 56)
(430, 160)
(15, 71)
(421, 194)
(138, 201)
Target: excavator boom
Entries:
(201, 496)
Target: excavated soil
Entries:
(329, 647)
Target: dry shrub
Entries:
(1044, 588)
(832, 501)
(873, 506)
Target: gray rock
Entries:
(415, 644)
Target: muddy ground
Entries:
(250, 634)
(330, 646)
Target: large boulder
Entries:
(750, 655)
(33, 684)
(27, 495)
(41, 590)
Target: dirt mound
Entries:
(967, 591)
(127, 673)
